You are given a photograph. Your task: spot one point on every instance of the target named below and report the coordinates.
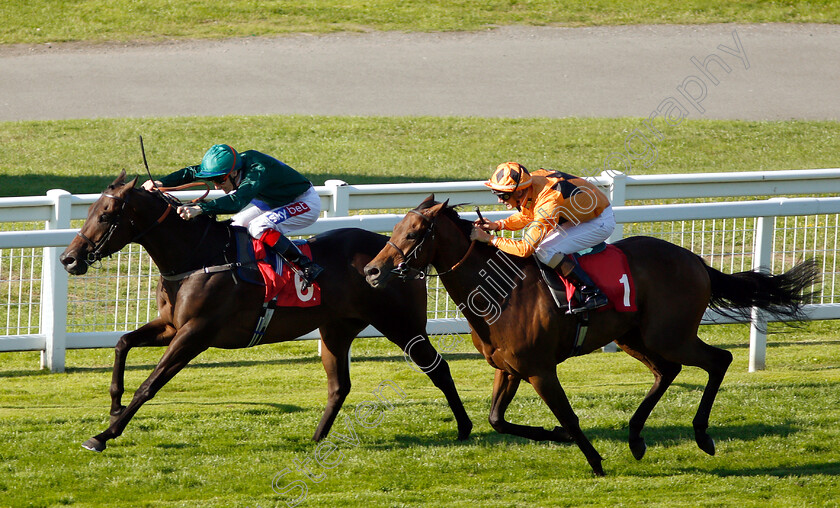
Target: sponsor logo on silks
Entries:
(291, 210)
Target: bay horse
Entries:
(211, 310)
(527, 335)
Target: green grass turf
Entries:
(220, 432)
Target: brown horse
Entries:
(521, 332)
(211, 310)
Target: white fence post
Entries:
(339, 200)
(618, 185)
(53, 322)
(618, 191)
(339, 207)
(762, 259)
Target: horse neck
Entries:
(486, 271)
(454, 239)
(179, 245)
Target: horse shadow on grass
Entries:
(665, 436)
(316, 360)
(828, 468)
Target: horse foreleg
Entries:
(336, 362)
(548, 387)
(153, 333)
(179, 353)
(504, 389)
(425, 358)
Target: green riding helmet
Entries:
(219, 161)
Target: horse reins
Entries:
(97, 247)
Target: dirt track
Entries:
(774, 72)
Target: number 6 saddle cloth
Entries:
(262, 266)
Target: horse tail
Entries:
(782, 296)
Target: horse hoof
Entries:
(561, 435)
(94, 445)
(598, 470)
(706, 443)
(464, 431)
(638, 447)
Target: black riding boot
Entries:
(587, 293)
(309, 270)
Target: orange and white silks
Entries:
(553, 199)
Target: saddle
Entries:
(607, 266)
(264, 267)
(247, 270)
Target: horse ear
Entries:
(120, 179)
(437, 208)
(132, 183)
(429, 201)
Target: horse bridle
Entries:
(97, 248)
(404, 272)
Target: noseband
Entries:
(97, 248)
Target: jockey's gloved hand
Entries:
(188, 212)
(480, 235)
(486, 224)
(150, 185)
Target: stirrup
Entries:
(594, 301)
(308, 274)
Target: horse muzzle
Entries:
(74, 263)
(377, 275)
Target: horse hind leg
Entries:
(153, 333)
(504, 389)
(664, 373)
(179, 353)
(715, 362)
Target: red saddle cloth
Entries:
(611, 273)
(284, 283)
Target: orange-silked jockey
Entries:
(561, 214)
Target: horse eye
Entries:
(105, 217)
(412, 236)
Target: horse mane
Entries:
(450, 211)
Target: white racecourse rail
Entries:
(755, 223)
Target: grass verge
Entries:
(42, 21)
(83, 156)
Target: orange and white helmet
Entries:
(508, 178)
